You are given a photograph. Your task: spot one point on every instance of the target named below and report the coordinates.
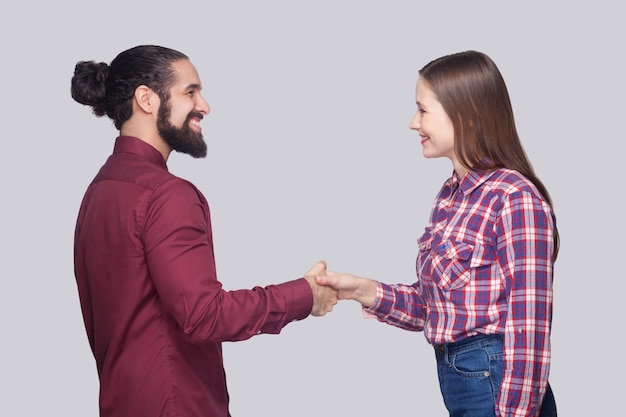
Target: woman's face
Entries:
(433, 124)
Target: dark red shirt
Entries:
(154, 310)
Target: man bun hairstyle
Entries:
(109, 89)
(88, 85)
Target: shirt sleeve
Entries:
(402, 305)
(525, 251)
(179, 253)
(399, 305)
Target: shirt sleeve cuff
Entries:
(379, 307)
(367, 314)
(299, 299)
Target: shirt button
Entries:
(487, 373)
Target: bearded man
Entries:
(154, 310)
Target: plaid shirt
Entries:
(485, 266)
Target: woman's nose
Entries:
(414, 124)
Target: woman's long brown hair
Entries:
(474, 95)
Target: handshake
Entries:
(329, 287)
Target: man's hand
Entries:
(324, 298)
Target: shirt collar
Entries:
(469, 182)
(131, 144)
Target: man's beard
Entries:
(182, 139)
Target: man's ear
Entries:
(146, 99)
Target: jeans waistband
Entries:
(468, 342)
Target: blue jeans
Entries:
(470, 373)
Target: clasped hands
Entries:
(329, 287)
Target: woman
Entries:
(483, 295)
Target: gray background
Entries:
(310, 157)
